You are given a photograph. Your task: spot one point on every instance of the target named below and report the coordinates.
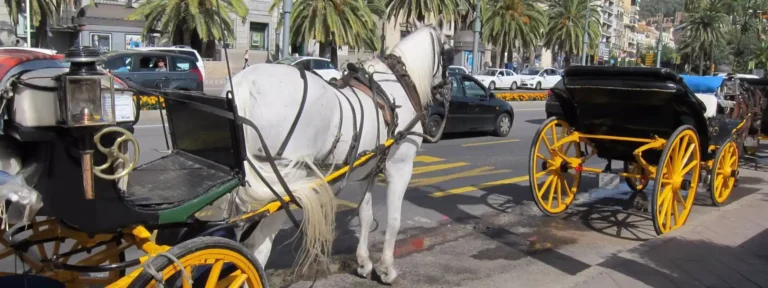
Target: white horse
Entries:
(270, 96)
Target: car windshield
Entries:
(488, 72)
(530, 72)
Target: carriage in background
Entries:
(652, 121)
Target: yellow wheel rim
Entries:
(724, 176)
(638, 184)
(682, 164)
(50, 229)
(245, 272)
(554, 181)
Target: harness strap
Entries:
(298, 113)
(267, 154)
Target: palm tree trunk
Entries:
(567, 59)
(532, 56)
(499, 51)
(334, 55)
(187, 37)
(711, 57)
(701, 63)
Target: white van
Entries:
(183, 50)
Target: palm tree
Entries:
(706, 27)
(506, 22)
(566, 26)
(334, 23)
(44, 13)
(421, 9)
(208, 19)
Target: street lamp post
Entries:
(476, 42)
(586, 38)
(29, 25)
(658, 44)
(287, 7)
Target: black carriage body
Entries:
(635, 102)
(205, 164)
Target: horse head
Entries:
(428, 68)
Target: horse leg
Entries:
(260, 242)
(398, 171)
(366, 219)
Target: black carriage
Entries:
(649, 119)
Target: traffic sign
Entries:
(649, 59)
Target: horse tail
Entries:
(315, 197)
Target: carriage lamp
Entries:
(86, 103)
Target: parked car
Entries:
(322, 66)
(180, 49)
(473, 107)
(494, 78)
(539, 78)
(181, 71)
(41, 50)
(457, 69)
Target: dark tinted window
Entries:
(151, 63)
(456, 88)
(321, 65)
(472, 89)
(182, 64)
(119, 64)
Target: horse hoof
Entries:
(364, 271)
(387, 276)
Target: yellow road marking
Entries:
(425, 169)
(478, 187)
(427, 159)
(489, 143)
(344, 205)
(469, 173)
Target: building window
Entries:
(259, 32)
(101, 41)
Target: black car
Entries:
(472, 108)
(143, 67)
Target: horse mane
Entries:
(420, 67)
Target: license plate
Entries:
(608, 180)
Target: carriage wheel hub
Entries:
(677, 182)
(564, 167)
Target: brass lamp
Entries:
(86, 104)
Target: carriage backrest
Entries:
(196, 130)
(629, 101)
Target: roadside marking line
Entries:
(427, 159)
(489, 143)
(381, 180)
(529, 109)
(478, 187)
(425, 169)
(469, 173)
(345, 205)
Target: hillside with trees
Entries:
(652, 8)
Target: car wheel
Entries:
(433, 125)
(538, 86)
(514, 86)
(492, 86)
(503, 125)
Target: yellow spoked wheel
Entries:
(209, 262)
(47, 240)
(553, 177)
(636, 185)
(676, 182)
(725, 171)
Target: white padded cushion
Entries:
(710, 101)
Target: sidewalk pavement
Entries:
(726, 248)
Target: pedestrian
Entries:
(246, 59)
